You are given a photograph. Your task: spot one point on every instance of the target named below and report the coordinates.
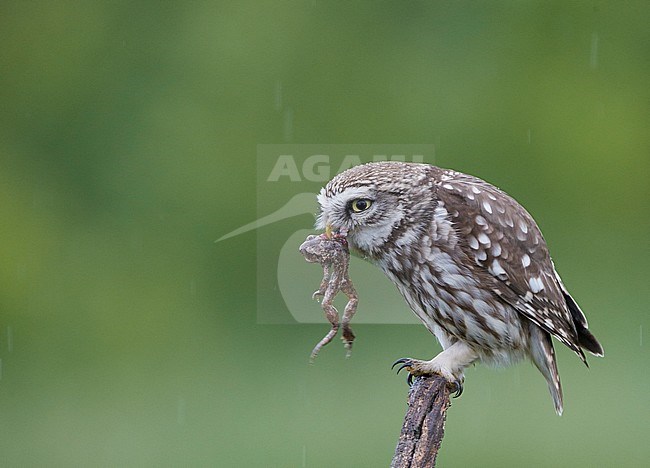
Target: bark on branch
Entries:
(424, 424)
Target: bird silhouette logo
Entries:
(284, 280)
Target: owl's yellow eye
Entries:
(360, 204)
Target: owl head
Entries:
(371, 204)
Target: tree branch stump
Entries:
(424, 424)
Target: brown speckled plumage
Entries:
(469, 260)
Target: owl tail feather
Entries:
(542, 354)
(585, 338)
(589, 342)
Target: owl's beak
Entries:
(329, 232)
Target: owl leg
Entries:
(449, 364)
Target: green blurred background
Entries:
(128, 135)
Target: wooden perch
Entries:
(424, 424)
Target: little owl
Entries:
(469, 260)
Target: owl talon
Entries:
(405, 364)
(411, 366)
(458, 386)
